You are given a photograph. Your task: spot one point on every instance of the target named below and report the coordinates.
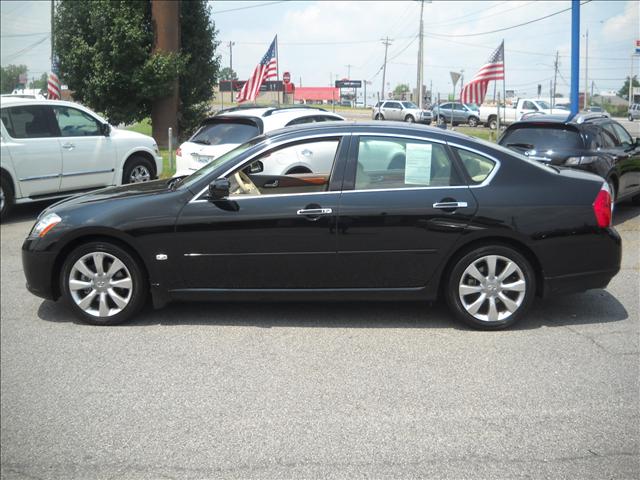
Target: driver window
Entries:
(302, 167)
(74, 123)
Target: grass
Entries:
(144, 127)
(483, 133)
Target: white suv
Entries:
(53, 149)
(231, 127)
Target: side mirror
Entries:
(105, 129)
(256, 167)
(219, 189)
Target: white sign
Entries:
(418, 165)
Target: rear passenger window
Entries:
(402, 163)
(29, 121)
(477, 166)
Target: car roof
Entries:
(562, 119)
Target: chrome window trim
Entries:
(498, 163)
(197, 199)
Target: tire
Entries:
(493, 123)
(137, 170)
(7, 197)
(517, 299)
(120, 302)
(440, 120)
(630, 118)
(379, 116)
(472, 122)
(409, 119)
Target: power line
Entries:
(266, 4)
(15, 55)
(14, 35)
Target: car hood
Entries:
(128, 134)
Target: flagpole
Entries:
(277, 70)
(504, 80)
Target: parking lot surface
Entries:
(330, 390)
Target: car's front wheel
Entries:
(493, 123)
(472, 122)
(630, 118)
(138, 169)
(103, 284)
(6, 197)
(490, 287)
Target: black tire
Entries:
(493, 123)
(7, 197)
(473, 122)
(630, 118)
(379, 116)
(409, 119)
(138, 164)
(440, 120)
(457, 279)
(139, 284)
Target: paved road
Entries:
(321, 390)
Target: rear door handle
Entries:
(314, 211)
(68, 146)
(449, 205)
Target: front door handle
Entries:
(314, 211)
(449, 205)
(68, 146)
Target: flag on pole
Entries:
(53, 82)
(476, 89)
(267, 68)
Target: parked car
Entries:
(596, 109)
(590, 142)
(404, 213)
(634, 112)
(456, 113)
(54, 149)
(403, 111)
(231, 127)
(514, 112)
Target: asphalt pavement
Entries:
(321, 390)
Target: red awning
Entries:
(316, 93)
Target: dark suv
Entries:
(591, 142)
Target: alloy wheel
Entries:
(100, 284)
(139, 174)
(492, 288)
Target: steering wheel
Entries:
(245, 185)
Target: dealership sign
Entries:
(348, 83)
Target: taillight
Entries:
(603, 207)
(179, 152)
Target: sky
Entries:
(321, 41)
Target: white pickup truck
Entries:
(512, 113)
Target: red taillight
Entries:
(179, 152)
(603, 207)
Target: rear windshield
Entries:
(224, 133)
(542, 138)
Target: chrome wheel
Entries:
(492, 288)
(139, 174)
(100, 284)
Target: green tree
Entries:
(198, 44)
(227, 74)
(400, 90)
(624, 91)
(10, 77)
(106, 59)
(40, 83)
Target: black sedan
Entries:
(591, 142)
(404, 212)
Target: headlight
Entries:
(44, 225)
(580, 160)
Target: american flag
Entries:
(53, 82)
(267, 68)
(476, 89)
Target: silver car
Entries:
(456, 113)
(400, 110)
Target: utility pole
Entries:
(230, 45)
(586, 72)
(164, 111)
(631, 83)
(555, 78)
(386, 42)
(420, 58)
(349, 71)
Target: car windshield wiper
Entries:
(202, 142)
(528, 146)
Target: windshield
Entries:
(542, 139)
(409, 105)
(544, 105)
(224, 133)
(228, 157)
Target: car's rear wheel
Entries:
(137, 170)
(103, 284)
(630, 118)
(6, 197)
(472, 122)
(493, 123)
(490, 287)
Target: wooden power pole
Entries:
(165, 15)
